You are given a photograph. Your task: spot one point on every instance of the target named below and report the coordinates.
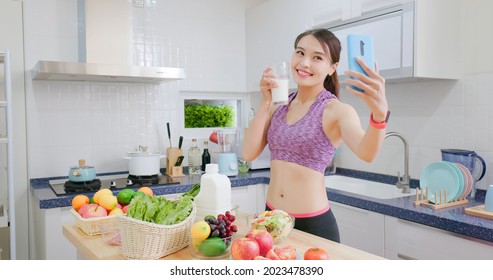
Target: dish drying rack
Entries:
(439, 201)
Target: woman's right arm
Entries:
(255, 137)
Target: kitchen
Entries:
(433, 114)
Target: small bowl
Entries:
(279, 234)
(212, 247)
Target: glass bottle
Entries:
(206, 157)
(194, 158)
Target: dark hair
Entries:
(331, 45)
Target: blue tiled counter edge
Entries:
(452, 219)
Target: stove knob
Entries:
(112, 184)
(129, 182)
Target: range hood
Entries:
(105, 49)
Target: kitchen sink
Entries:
(365, 187)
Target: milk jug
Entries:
(215, 193)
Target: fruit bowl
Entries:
(277, 222)
(212, 247)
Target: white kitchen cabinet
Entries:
(409, 240)
(359, 228)
(412, 40)
(250, 199)
(431, 51)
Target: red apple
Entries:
(95, 211)
(244, 249)
(261, 258)
(125, 208)
(285, 253)
(263, 238)
(83, 209)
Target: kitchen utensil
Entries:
(82, 173)
(169, 135)
(180, 142)
(179, 160)
(438, 177)
(468, 181)
(228, 146)
(144, 164)
(469, 159)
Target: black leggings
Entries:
(323, 225)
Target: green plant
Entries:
(206, 115)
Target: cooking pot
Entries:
(82, 173)
(143, 163)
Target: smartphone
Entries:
(362, 46)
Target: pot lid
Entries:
(144, 154)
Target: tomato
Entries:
(316, 254)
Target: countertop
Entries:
(94, 247)
(452, 219)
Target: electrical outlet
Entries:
(138, 3)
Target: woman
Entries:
(304, 134)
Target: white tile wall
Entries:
(102, 121)
(432, 115)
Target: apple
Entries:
(285, 253)
(261, 258)
(244, 249)
(83, 209)
(95, 211)
(263, 238)
(125, 209)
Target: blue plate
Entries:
(440, 176)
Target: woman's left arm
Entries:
(365, 144)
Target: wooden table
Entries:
(94, 247)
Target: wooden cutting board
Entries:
(479, 211)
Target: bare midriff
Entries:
(296, 189)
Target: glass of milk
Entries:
(281, 71)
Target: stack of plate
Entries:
(443, 176)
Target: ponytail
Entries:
(331, 84)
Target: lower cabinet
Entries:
(409, 240)
(359, 228)
(249, 199)
(394, 238)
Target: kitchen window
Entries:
(202, 113)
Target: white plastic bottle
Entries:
(215, 193)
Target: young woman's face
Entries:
(310, 64)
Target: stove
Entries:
(112, 182)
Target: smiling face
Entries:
(311, 63)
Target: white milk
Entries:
(280, 94)
(215, 193)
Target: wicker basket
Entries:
(91, 226)
(148, 241)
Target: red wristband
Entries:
(378, 125)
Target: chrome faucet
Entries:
(402, 183)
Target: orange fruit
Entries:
(108, 201)
(146, 190)
(200, 230)
(79, 200)
(101, 193)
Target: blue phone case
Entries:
(362, 46)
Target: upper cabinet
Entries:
(413, 40)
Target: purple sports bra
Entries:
(303, 142)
